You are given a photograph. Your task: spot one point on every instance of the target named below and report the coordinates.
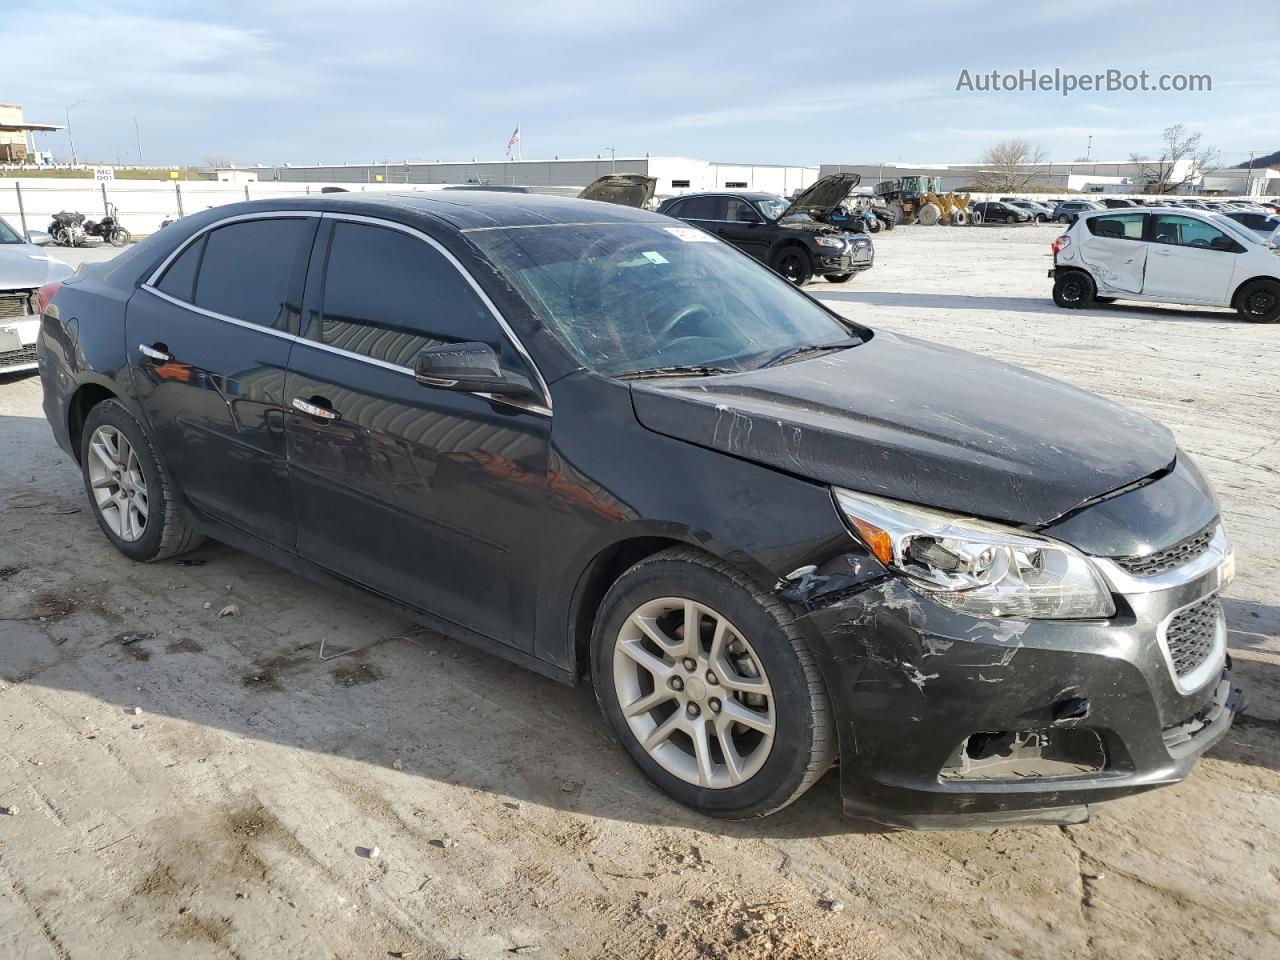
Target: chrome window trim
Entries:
(1218, 556)
(151, 281)
(213, 314)
(149, 285)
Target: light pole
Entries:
(67, 110)
(613, 159)
(137, 139)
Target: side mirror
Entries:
(468, 368)
(1225, 244)
(39, 238)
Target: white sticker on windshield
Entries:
(654, 257)
(690, 234)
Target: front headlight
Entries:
(829, 241)
(977, 567)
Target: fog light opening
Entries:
(1028, 754)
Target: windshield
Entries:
(772, 207)
(9, 235)
(627, 297)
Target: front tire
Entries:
(1259, 302)
(710, 686)
(120, 237)
(1074, 290)
(795, 265)
(132, 496)
(838, 277)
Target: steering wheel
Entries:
(1199, 242)
(677, 318)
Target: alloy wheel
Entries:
(694, 692)
(119, 486)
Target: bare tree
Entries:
(1011, 166)
(1183, 159)
(217, 161)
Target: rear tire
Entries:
(794, 264)
(1259, 302)
(1074, 290)
(130, 491)
(746, 640)
(838, 277)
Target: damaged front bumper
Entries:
(948, 720)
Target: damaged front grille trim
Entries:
(17, 304)
(1206, 626)
(1170, 558)
(1216, 555)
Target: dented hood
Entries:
(625, 189)
(823, 196)
(915, 421)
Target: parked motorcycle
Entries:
(67, 230)
(109, 228)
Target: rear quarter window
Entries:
(180, 279)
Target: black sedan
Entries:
(609, 446)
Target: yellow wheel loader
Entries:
(921, 200)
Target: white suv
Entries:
(1165, 256)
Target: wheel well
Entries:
(1235, 297)
(84, 400)
(601, 574)
(787, 244)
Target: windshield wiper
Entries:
(797, 353)
(680, 370)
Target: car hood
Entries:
(625, 189)
(823, 196)
(24, 265)
(915, 421)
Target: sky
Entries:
(307, 81)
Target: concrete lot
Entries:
(228, 819)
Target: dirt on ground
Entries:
(196, 786)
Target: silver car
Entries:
(24, 269)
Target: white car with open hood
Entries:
(1167, 256)
(24, 269)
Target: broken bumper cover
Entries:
(950, 721)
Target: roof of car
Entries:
(460, 209)
(745, 194)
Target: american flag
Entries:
(515, 138)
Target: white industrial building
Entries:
(674, 174)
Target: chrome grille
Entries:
(16, 304)
(1191, 633)
(1170, 558)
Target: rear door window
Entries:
(700, 208)
(1120, 226)
(388, 294)
(249, 268)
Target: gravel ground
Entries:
(234, 816)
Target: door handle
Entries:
(314, 409)
(1163, 253)
(155, 354)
